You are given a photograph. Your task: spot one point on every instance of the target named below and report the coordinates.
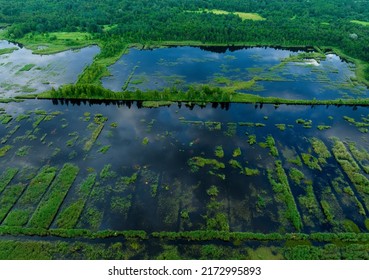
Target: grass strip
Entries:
(283, 192)
(95, 134)
(352, 169)
(26, 205)
(48, 207)
(68, 218)
(8, 198)
(6, 177)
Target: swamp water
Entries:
(233, 167)
(22, 72)
(262, 71)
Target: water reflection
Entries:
(24, 72)
(144, 161)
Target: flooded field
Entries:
(22, 72)
(263, 71)
(120, 180)
(237, 168)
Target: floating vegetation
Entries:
(4, 150)
(5, 118)
(251, 172)
(211, 126)
(311, 161)
(305, 123)
(252, 139)
(219, 152)
(104, 149)
(145, 141)
(231, 129)
(235, 164)
(321, 150)
(296, 175)
(270, 143)
(323, 127)
(237, 152)
(281, 126)
(23, 151)
(196, 162)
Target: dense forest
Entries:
(288, 22)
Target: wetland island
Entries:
(184, 129)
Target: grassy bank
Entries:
(203, 94)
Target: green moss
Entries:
(237, 152)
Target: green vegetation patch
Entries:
(219, 152)
(27, 67)
(352, 169)
(321, 150)
(31, 197)
(360, 22)
(8, 198)
(279, 181)
(7, 50)
(52, 200)
(68, 218)
(296, 175)
(4, 150)
(311, 161)
(196, 162)
(6, 177)
(242, 15)
(95, 134)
